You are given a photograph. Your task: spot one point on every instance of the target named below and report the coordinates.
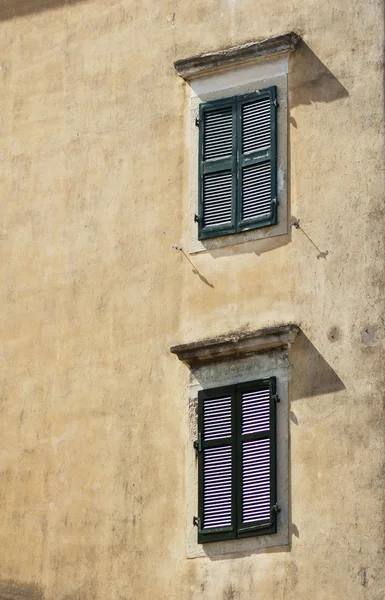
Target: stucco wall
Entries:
(93, 407)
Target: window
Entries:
(231, 78)
(236, 447)
(253, 370)
(235, 86)
(237, 164)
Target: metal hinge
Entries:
(196, 218)
(198, 444)
(276, 398)
(197, 122)
(275, 201)
(275, 102)
(276, 509)
(197, 522)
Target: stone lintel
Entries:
(195, 66)
(236, 345)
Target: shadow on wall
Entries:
(311, 81)
(18, 8)
(13, 590)
(312, 375)
(257, 247)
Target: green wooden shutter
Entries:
(217, 168)
(236, 446)
(256, 454)
(257, 159)
(216, 464)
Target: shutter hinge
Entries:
(196, 218)
(276, 398)
(197, 123)
(198, 444)
(197, 522)
(275, 201)
(276, 509)
(275, 102)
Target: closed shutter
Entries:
(257, 162)
(238, 164)
(216, 468)
(256, 457)
(217, 166)
(236, 449)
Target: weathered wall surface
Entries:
(93, 407)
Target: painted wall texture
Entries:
(93, 406)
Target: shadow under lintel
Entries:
(312, 374)
(311, 81)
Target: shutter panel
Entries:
(217, 487)
(217, 168)
(217, 198)
(257, 160)
(256, 458)
(217, 418)
(256, 125)
(218, 133)
(215, 463)
(256, 191)
(256, 489)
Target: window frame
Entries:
(225, 370)
(237, 81)
(238, 529)
(237, 162)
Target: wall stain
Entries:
(230, 593)
(13, 590)
(334, 334)
(370, 335)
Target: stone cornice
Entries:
(195, 66)
(236, 345)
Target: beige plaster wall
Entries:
(93, 407)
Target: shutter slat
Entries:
(217, 493)
(256, 125)
(256, 487)
(256, 191)
(217, 194)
